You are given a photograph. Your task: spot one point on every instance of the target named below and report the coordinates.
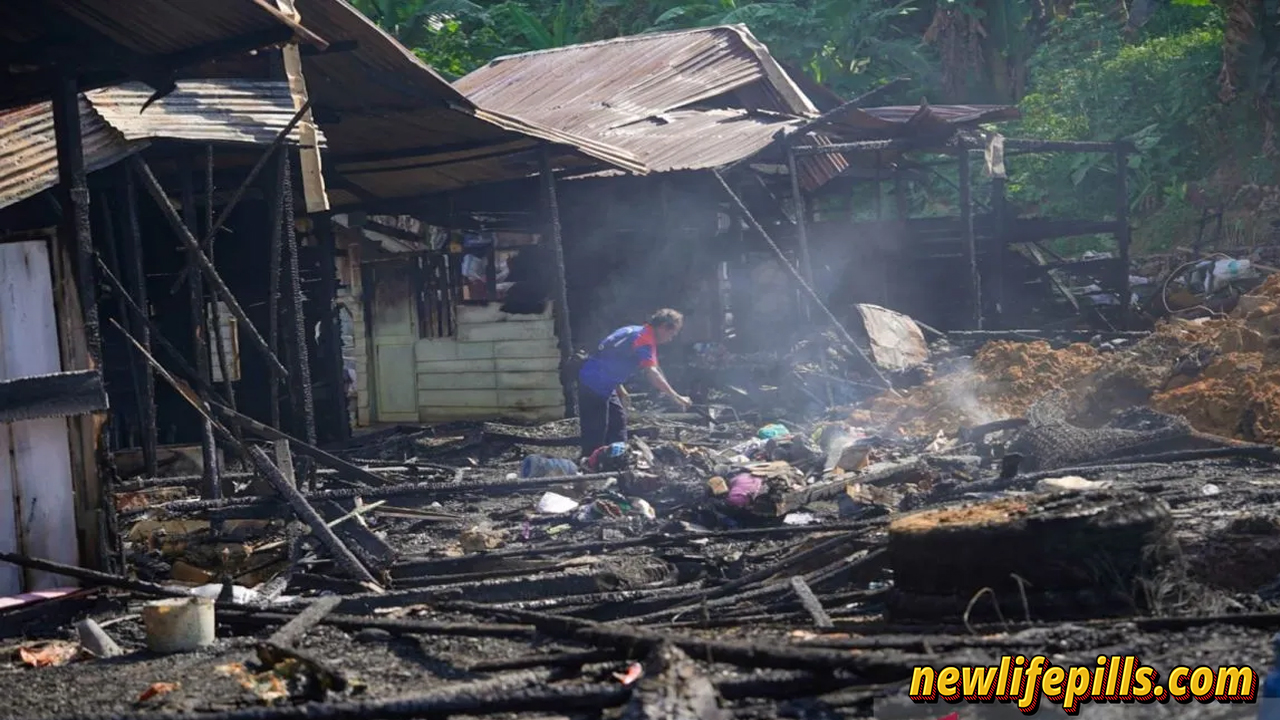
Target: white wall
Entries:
(499, 366)
(37, 500)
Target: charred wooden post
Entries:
(802, 230)
(841, 332)
(112, 255)
(552, 210)
(73, 177)
(970, 240)
(210, 488)
(306, 513)
(304, 411)
(184, 234)
(1123, 231)
(1000, 216)
(224, 366)
(147, 397)
(276, 215)
(330, 336)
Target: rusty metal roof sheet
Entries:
(698, 139)
(594, 87)
(158, 33)
(404, 131)
(902, 120)
(29, 150)
(207, 111)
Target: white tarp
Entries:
(896, 340)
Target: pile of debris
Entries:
(1221, 373)
(741, 559)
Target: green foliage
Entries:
(1071, 66)
(1090, 84)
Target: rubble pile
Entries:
(743, 559)
(1222, 374)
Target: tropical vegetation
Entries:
(1192, 83)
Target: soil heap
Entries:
(1222, 374)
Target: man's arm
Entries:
(659, 383)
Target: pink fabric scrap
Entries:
(743, 488)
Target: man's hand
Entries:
(683, 401)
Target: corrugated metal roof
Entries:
(161, 32)
(594, 87)
(29, 150)
(913, 118)
(662, 96)
(699, 139)
(404, 131)
(209, 111)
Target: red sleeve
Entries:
(646, 347)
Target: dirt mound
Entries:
(1002, 381)
(1222, 375)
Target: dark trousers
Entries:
(602, 418)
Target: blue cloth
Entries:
(618, 357)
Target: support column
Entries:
(551, 209)
(999, 216)
(210, 487)
(304, 409)
(224, 365)
(73, 178)
(147, 398)
(330, 329)
(1123, 236)
(276, 215)
(970, 240)
(802, 229)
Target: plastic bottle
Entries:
(1269, 697)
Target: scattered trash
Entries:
(479, 539)
(537, 466)
(772, 430)
(1210, 489)
(52, 653)
(96, 641)
(556, 504)
(744, 488)
(634, 672)
(157, 690)
(799, 518)
(176, 625)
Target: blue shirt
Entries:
(622, 353)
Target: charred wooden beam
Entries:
(1123, 237)
(552, 210)
(211, 488)
(811, 603)
(802, 221)
(304, 411)
(346, 471)
(276, 221)
(147, 398)
(73, 178)
(330, 331)
(970, 238)
(92, 577)
(220, 343)
(62, 394)
(184, 234)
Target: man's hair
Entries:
(666, 317)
